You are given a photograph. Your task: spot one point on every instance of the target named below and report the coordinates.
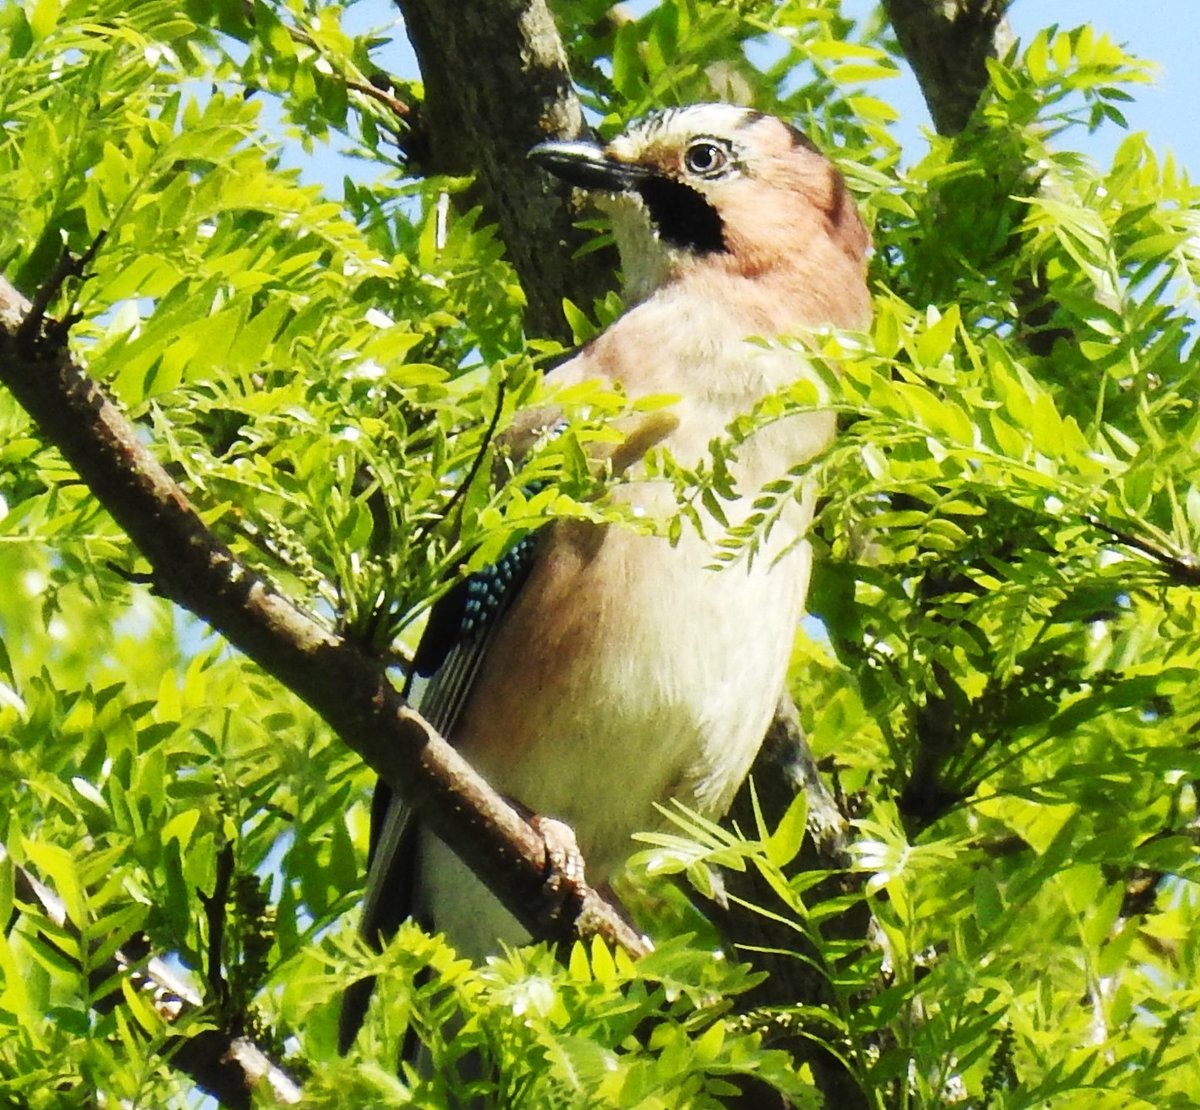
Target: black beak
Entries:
(587, 166)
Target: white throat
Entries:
(647, 263)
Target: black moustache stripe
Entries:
(682, 217)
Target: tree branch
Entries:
(338, 680)
(483, 119)
(947, 43)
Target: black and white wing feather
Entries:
(461, 627)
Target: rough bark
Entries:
(947, 43)
(497, 83)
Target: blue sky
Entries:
(1164, 31)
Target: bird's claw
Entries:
(564, 865)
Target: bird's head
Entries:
(716, 186)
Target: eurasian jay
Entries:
(598, 671)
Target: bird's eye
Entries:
(705, 158)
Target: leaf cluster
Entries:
(1000, 685)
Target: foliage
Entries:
(598, 1031)
(1007, 580)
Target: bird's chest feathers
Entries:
(699, 350)
(628, 671)
(647, 684)
(740, 376)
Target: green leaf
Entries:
(783, 845)
(61, 873)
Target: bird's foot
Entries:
(564, 867)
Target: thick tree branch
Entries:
(346, 687)
(947, 43)
(496, 83)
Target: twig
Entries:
(132, 577)
(1185, 567)
(460, 491)
(216, 909)
(68, 266)
(397, 107)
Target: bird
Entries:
(596, 672)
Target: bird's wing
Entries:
(461, 625)
(460, 628)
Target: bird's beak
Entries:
(587, 166)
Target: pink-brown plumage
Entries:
(627, 671)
